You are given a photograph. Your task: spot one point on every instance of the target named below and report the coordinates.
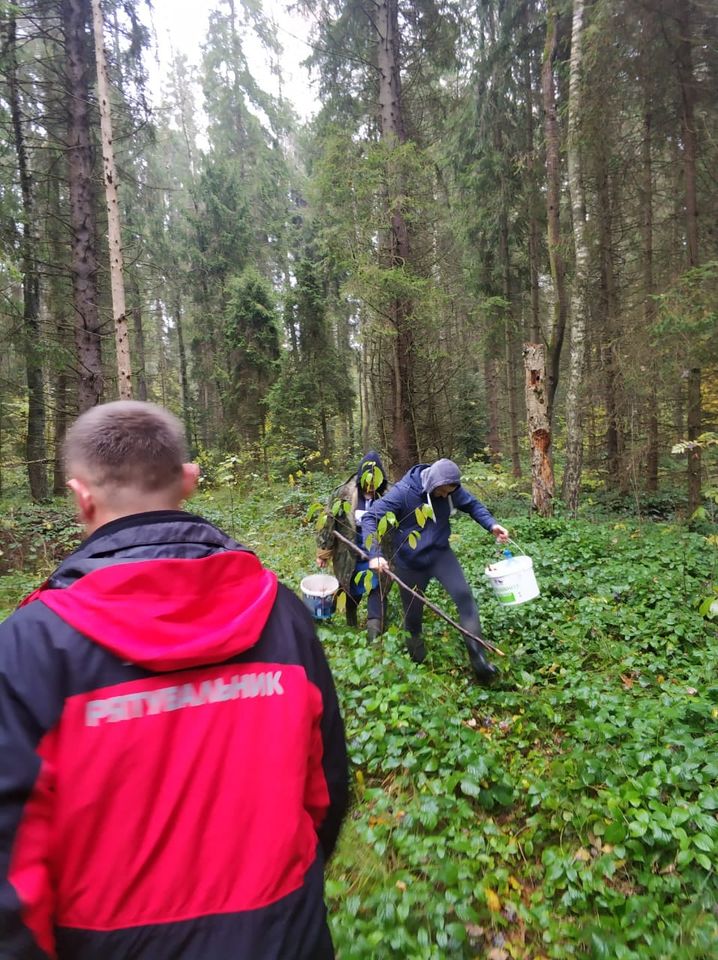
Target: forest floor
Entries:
(570, 810)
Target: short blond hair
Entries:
(127, 444)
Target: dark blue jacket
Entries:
(402, 500)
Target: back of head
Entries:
(440, 473)
(128, 446)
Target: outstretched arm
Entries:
(463, 500)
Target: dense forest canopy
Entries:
(495, 239)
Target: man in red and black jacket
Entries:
(173, 769)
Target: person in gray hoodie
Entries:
(423, 553)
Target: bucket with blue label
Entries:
(318, 592)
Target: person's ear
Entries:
(190, 479)
(84, 500)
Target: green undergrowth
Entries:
(569, 811)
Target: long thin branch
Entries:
(420, 596)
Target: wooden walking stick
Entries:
(422, 598)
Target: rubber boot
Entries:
(484, 671)
(351, 612)
(373, 629)
(416, 647)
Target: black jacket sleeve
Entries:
(30, 705)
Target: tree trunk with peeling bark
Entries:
(579, 294)
(114, 229)
(539, 427)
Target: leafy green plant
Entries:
(572, 809)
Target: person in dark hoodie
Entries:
(358, 493)
(173, 769)
(437, 485)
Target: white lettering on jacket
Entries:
(133, 706)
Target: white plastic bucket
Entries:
(513, 580)
(318, 593)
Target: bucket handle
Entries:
(517, 545)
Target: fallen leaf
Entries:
(582, 854)
(514, 884)
(626, 681)
(497, 954)
(492, 900)
(474, 931)
(400, 885)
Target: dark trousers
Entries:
(375, 608)
(447, 570)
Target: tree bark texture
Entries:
(539, 427)
(491, 380)
(82, 206)
(612, 381)
(141, 378)
(511, 388)
(686, 78)
(649, 305)
(404, 450)
(35, 449)
(184, 374)
(114, 230)
(533, 228)
(60, 428)
(553, 205)
(579, 295)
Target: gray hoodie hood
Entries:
(439, 473)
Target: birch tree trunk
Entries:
(579, 294)
(83, 266)
(539, 426)
(114, 231)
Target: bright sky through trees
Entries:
(181, 25)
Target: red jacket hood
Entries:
(170, 614)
